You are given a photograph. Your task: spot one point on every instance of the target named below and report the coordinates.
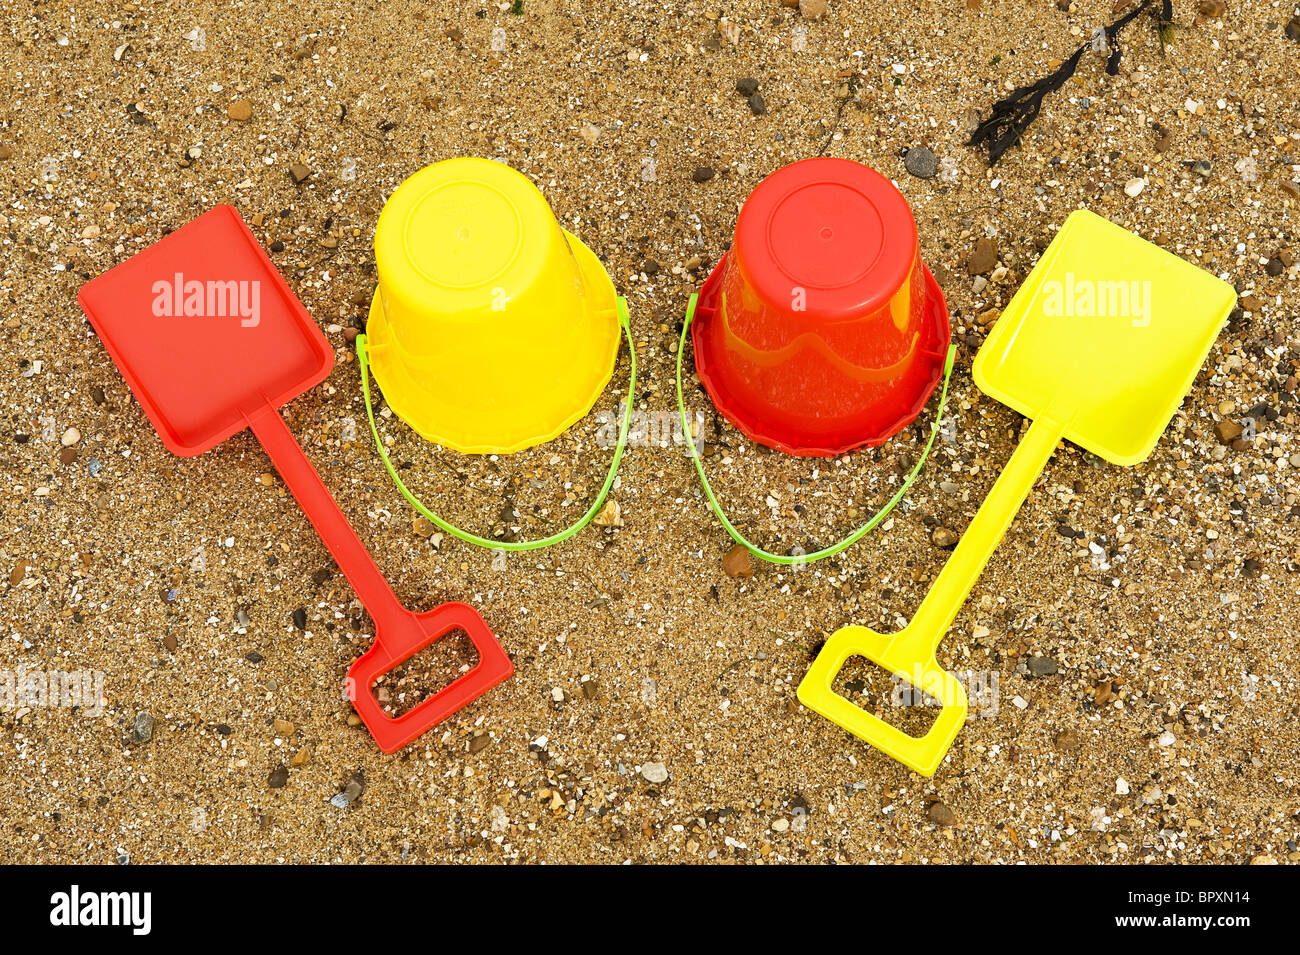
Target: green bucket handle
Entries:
(364, 361)
(853, 538)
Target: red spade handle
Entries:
(399, 633)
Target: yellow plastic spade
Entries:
(1098, 347)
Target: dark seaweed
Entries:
(1011, 117)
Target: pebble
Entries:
(68, 456)
(298, 173)
(1134, 187)
(747, 86)
(780, 824)
(702, 173)
(1167, 738)
(1293, 29)
(1041, 666)
(170, 642)
(921, 162)
(1121, 787)
(282, 727)
(944, 537)
(300, 618)
(756, 105)
(278, 777)
(70, 437)
(941, 815)
(241, 111)
(812, 9)
(143, 727)
(301, 758)
(1067, 741)
(1202, 168)
(654, 773)
(1212, 8)
(737, 562)
(983, 257)
(351, 792)
(1227, 430)
(611, 515)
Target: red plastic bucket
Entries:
(821, 330)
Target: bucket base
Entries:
(933, 348)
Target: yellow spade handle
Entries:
(911, 653)
(919, 641)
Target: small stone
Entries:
(6, 151)
(1293, 29)
(278, 777)
(611, 515)
(650, 267)
(812, 9)
(737, 563)
(702, 173)
(654, 773)
(479, 743)
(983, 257)
(1227, 430)
(756, 105)
(1134, 187)
(241, 111)
(70, 437)
(1264, 859)
(301, 758)
(1041, 666)
(423, 527)
(351, 792)
(282, 727)
(1274, 267)
(1067, 741)
(252, 656)
(171, 643)
(944, 537)
(921, 162)
(1251, 567)
(1202, 168)
(300, 619)
(941, 815)
(68, 456)
(780, 824)
(1122, 787)
(1212, 8)
(1167, 739)
(298, 173)
(143, 727)
(747, 86)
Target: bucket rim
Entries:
(936, 323)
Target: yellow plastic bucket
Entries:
(492, 329)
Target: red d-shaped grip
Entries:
(408, 637)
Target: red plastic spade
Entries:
(211, 341)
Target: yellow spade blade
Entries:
(1099, 346)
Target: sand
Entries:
(1148, 694)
